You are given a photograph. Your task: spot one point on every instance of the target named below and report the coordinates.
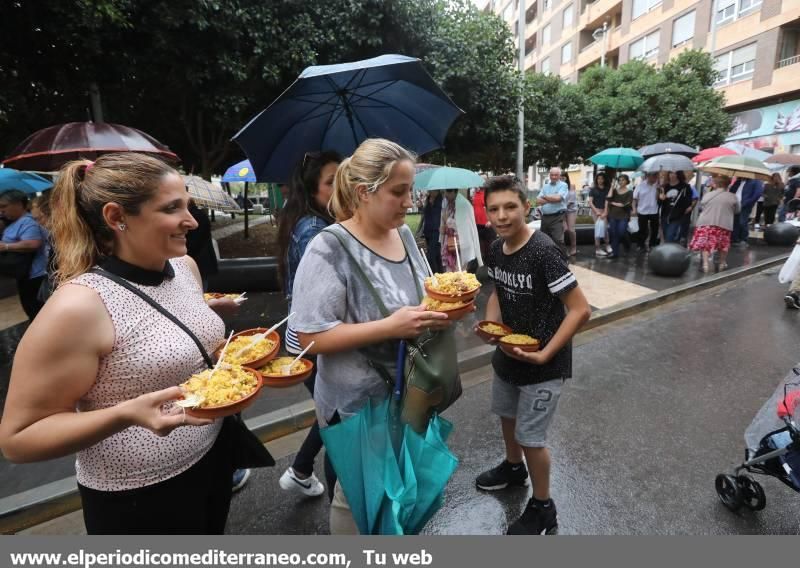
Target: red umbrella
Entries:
(711, 153)
(50, 148)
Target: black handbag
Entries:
(16, 264)
(247, 450)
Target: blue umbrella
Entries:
(243, 171)
(447, 178)
(336, 107)
(618, 158)
(24, 181)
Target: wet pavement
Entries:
(657, 407)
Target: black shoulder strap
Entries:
(128, 286)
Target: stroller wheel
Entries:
(728, 491)
(752, 493)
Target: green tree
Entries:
(638, 104)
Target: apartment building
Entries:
(756, 45)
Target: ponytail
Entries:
(344, 200)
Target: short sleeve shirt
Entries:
(598, 197)
(328, 291)
(27, 229)
(529, 284)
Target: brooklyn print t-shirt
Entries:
(529, 285)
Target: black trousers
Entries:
(769, 214)
(28, 290)
(648, 227)
(434, 252)
(304, 460)
(194, 502)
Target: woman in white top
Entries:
(97, 370)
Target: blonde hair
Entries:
(80, 233)
(371, 165)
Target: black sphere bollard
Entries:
(669, 259)
(781, 234)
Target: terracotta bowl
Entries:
(458, 313)
(508, 348)
(284, 381)
(224, 410)
(485, 335)
(261, 361)
(464, 297)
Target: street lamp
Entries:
(596, 35)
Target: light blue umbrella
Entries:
(446, 178)
(618, 158)
(23, 181)
(336, 107)
(243, 171)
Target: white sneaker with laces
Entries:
(309, 486)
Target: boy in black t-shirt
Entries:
(532, 286)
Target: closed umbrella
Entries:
(667, 148)
(209, 195)
(667, 163)
(618, 158)
(446, 178)
(336, 107)
(23, 181)
(784, 159)
(737, 166)
(711, 153)
(50, 148)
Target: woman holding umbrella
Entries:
(676, 204)
(333, 305)
(458, 229)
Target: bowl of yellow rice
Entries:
(452, 286)
(275, 376)
(454, 310)
(258, 355)
(488, 330)
(230, 389)
(519, 340)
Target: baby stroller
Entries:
(773, 448)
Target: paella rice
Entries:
(229, 384)
(276, 367)
(453, 283)
(437, 306)
(216, 296)
(257, 351)
(494, 329)
(520, 339)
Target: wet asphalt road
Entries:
(657, 407)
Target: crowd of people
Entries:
(120, 320)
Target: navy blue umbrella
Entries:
(336, 107)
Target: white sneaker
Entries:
(600, 252)
(609, 250)
(310, 486)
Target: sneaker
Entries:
(504, 475)
(792, 300)
(309, 486)
(609, 250)
(600, 252)
(240, 477)
(536, 520)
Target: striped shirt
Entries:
(530, 284)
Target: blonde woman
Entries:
(332, 304)
(97, 369)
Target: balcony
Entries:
(788, 61)
(594, 14)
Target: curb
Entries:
(35, 506)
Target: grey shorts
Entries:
(532, 406)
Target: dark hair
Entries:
(566, 176)
(14, 196)
(681, 176)
(605, 181)
(627, 178)
(504, 183)
(300, 201)
(793, 170)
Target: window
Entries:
(546, 35)
(730, 10)
(736, 65)
(645, 47)
(567, 17)
(641, 7)
(683, 29)
(546, 65)
(546, 5)
(566, 53)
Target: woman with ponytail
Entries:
(97, 371)
(332, 303)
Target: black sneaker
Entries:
(504, 475)
(536, 520)
(792, 300)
